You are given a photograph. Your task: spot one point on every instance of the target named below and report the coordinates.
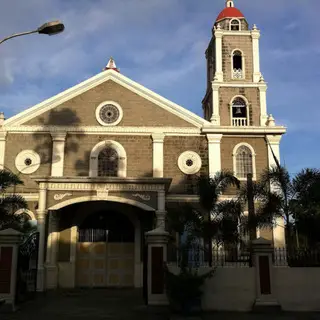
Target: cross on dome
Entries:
(111, 65)
(229, 4)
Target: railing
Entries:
(239, 122)
(220, 258)
(237, 74)
(303, 257)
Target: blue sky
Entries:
(161, 44)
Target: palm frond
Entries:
(8, 179)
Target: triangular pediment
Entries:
(103, 82)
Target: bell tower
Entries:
(236, 90)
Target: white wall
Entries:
(230, 289)
(297, 289)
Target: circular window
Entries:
(27, 161)
(109, 113)
(189, 162)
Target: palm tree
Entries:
(276, 195)
(214, 220)
(10, 202)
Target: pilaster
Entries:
(158, 139)
(255, 34)
(58, 139)
(3, 137)
(218, 33)
(263, 105)
(214, 153)
(215, 118)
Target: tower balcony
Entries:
(239, 122)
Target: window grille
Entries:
(108, 163)
(243, 162)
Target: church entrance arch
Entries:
(105, 251)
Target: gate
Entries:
(27, 268)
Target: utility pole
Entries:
(251, 211)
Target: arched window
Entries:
(244, 161)
(239, 113)
(108, 159)
(237, 65)
(235, 25)
(108, 162)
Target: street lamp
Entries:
(49, 28)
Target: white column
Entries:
(161, 212)
(218, 36)
(215, 118)
(263, 105)
(214, 153)
(158, 139)
(3, 136)
(279, 228)
(41, 217)
(255, 34)
(58, 139)
(52, 250)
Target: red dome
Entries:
(230, 12)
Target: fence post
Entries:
(262, 252)
(9, 244)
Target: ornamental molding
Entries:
(158, 137)
(60, 196)
(101, 188)
(27, 161)
(102, 130)
(214, 138)
(189, 162)
(3, 135)
(58, 136)
(144, 197)
(102, 192)
(100, 107)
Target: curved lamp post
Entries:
(49, 28)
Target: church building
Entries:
(104, 160)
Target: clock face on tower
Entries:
(108, 113)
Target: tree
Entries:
(10, 202)
(214, 220)
(277, 195)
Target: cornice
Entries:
(56, 130)
(245, 130)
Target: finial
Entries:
(261, 78)
(254, 27)
(270, 121)
(218, 26)
(229, 4)
(111, 65)
(1, 118)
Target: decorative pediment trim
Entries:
(93, 82)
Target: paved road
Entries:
(115, 305)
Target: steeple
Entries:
(111, 65)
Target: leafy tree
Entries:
(10, 202)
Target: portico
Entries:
(65, 202)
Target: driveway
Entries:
(116, 304)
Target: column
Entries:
(58, 139)
(214, 153)
(215, 119)
(52, 250)
(273, 142)
(263, 105)
(158, 139)
(161, 212)
(3, 136)
(218, 35)
(41, 218)
(255, 34)
(262, 251)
